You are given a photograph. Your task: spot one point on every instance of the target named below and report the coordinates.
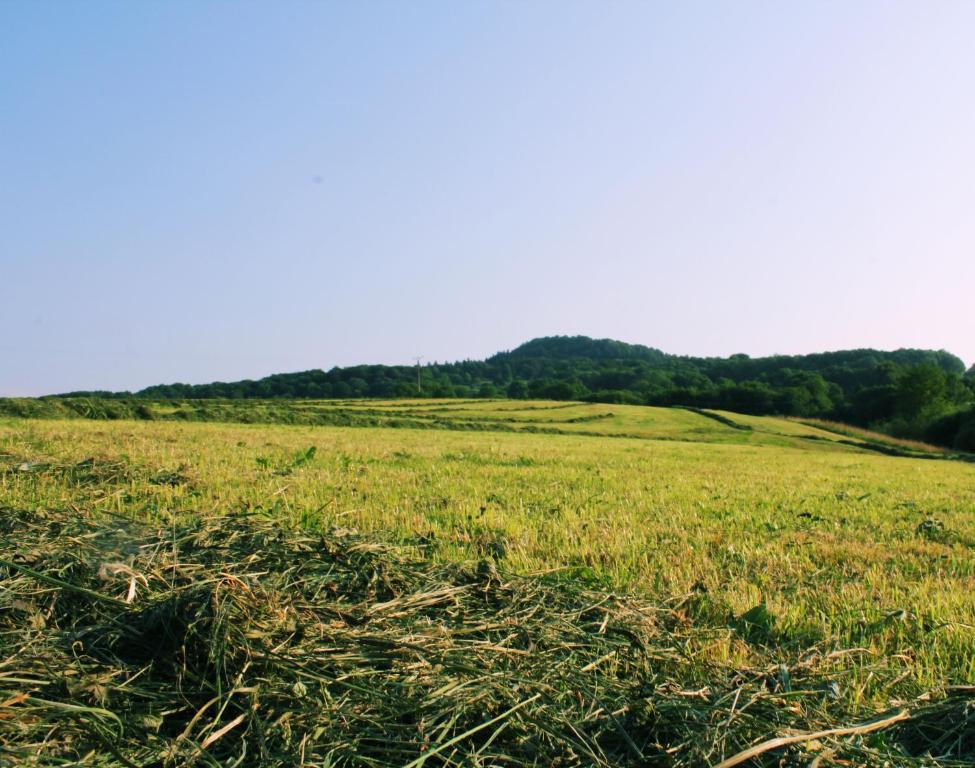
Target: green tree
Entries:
(518, 389)
(920, 391)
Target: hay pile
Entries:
(233, 641)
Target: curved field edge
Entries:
(542, 417)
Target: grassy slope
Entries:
(846, 548)
(599, 420)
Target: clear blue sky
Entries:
(194, 191)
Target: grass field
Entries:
(774, 536)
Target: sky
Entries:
(199, 191)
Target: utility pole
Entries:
(418, 359)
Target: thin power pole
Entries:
(418, 359)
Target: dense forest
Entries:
(909, 392)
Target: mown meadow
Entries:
(774, 538)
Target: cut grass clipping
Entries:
(235, 641)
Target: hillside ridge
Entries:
(912, 393)
(567, 348)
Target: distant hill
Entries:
(580, 347)
(903, 392)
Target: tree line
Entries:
(908, 392)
